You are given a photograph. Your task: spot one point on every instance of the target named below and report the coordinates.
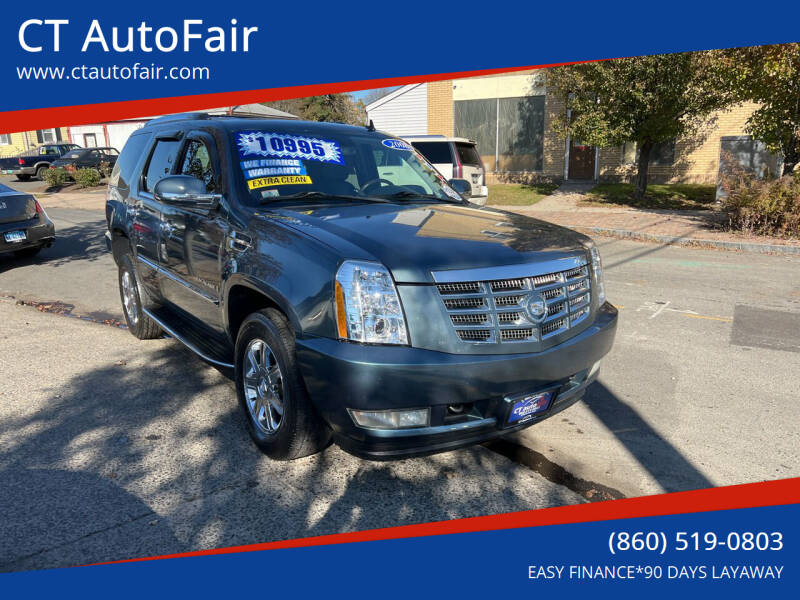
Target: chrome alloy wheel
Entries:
(263, 386)
(129, 297)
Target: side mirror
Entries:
(462, 186)
(187, 192)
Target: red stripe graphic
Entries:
(749, 495)
(62, 116)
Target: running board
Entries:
(186, 335)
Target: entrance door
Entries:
(89, 140)
(581, 161)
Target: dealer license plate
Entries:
(527, 406)
(8, 172)
(15, 236)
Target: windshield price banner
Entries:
(261, 143)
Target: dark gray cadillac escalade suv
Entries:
(350, 288)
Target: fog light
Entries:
(391, 419)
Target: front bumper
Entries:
(38, 232)
(341, 375)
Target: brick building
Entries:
(510, 117)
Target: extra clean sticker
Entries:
(261, 182)
(261, 143)
(395, 144)
(265, 167)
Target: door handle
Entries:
(238, 242)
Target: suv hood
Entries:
(414, 239)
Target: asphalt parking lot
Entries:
(111, 447)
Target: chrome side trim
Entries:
(189, 345)
(168, 274)
(511, 271)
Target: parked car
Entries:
(24, 226)
(88, 158)
(455, 157)
(376, 307)
(34, 162)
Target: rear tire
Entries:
(139, 324)
(23, 177)
(40, 173)
(281, 419)
(28, 252)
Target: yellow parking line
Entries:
(723, 319)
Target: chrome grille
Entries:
(470, 287)
(493, 311)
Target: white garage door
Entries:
(118, 133)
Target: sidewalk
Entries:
(685, 228)
(86, 200)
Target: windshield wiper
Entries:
(316, 195)
(410, 194)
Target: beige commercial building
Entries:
(510, 117)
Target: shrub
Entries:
(105, 168)
(524, 177)
(55, 177)
(86, 177)
(762, 206)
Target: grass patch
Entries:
(518, 194)
(674, 196)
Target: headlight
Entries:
(367, 306)
(597, 267)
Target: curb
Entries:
(696, 242)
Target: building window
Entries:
(663, 153)
(509, 132)
(48, 136)
(5, 139)
(477, 120)
(521, 128)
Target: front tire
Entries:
(280, 417)
(139, 324)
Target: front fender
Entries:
(272, 294)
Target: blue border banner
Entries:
(735, 552)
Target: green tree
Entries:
(337, 108)
(647, 100)
(770, 76)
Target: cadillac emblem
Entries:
(536, 308)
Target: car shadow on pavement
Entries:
(149, 455)
(83, 242)
(662, 460)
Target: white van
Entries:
(454, 158)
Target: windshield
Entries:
(73, 154)
(275, 165)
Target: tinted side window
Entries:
(123, 171)
(161, 162)
(435, 152)
(468, 155)
(197, 163)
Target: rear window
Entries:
(73, 154)
(131, 153)
(468, 154)
(435, 152)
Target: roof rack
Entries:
(192, 116)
